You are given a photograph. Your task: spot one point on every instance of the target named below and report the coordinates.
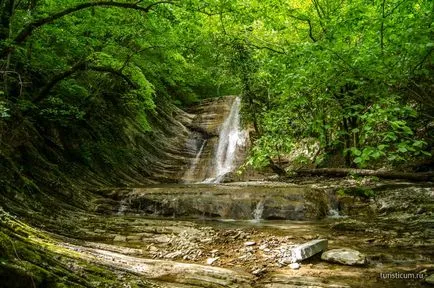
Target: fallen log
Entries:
(342, 172)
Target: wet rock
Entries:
(210, 261)
(344, 256)
(282, 202)
(430, 279)
(294, 266)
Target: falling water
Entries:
(231, 137)
(259, 210)
(190, 173)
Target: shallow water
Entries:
(392, 240)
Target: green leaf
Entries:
(402, 149)
(358, 160)
(382, 147)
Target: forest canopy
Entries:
(353, 77)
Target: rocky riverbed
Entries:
(393, 230)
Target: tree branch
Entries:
(423, 60)
(80, 66)
(394, 8)
(128, 59)
(309, 23)
(29, 28)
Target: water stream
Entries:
(259, 210)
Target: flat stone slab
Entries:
(307, 250)
(344, 256)
(170, 273)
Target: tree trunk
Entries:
(347, 142)
(5, 32)
(7, 9)
(342, 172)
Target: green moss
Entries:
(361, 192)
(32, 258)
(5, 245)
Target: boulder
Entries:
(344, 256)
(308, 249)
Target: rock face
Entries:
(181, 145)
(344, 256)
(212, 143)
(282, 201)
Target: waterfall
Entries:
(259, 210)
(191, 172)
(231, 137)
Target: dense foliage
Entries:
(354, 77)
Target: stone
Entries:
(308, 249)
(250, 243)
(259, 271)
(344, 256)
(263, 247)
(294, 266)
(214, 253)
(210, 261)
(206, 240)
(430, 279)
(153, 249)
(120, 238)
